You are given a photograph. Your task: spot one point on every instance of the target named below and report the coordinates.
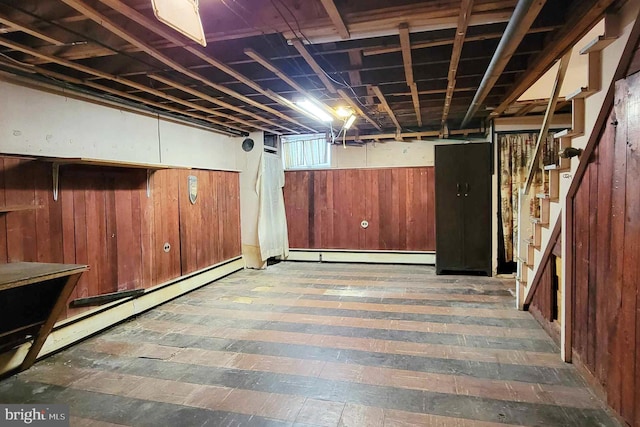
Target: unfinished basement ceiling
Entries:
(261, 54)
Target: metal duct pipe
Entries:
(523, 16)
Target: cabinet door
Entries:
(449, 208)
(476, 193)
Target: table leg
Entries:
(47, 326)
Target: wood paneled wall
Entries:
(104, 218)
(544, 302)
(606, 257)
(325, 208)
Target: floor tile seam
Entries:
(236, 312)
(476, 341)
(483, 355)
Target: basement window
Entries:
(306, 151)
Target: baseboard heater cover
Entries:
(373, 257)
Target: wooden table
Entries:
(34, 295)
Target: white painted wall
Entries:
(387, 154)
(53, 123)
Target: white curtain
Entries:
(311, 151)
(272, 221)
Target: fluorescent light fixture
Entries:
(181, 15)
(315, 110)
(350, 121)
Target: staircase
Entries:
(540, 202)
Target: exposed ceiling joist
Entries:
(412, 135)
(101, 19)
(405, 44)
(461, 31)
(28, 29)
(387, 108)
(202, 96)
(197, 51)
(113, 46)
(426, 16)
(284, 77)
(448, 41)
(322, 75)
(336, 18)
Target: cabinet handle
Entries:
(458, 189)
(466, 189)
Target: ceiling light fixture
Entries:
(349, 122)
(181, 15)
(313, 109)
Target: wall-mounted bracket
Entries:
(55, 167)
(149, 172)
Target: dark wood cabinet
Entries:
(463, 208)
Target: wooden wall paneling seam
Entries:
(614, 378)
(217, 237)
(186, 242)
(80, 248)
(124, 234)
(591, 267)
(398, 181)
(604, 161)
(628, 312)
(430, 210)
(372, 212)
(311, 209)
(582, 273)
(18, 233)
(206, 215)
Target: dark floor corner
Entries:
(308, 344)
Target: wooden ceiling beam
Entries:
(199, 96)
(285, 78)
(405, 43)
(322, 75)
(27, 29)
(170, 36)
(427, 16)
(336, 18)
(275, 70)
(387, 108)
(461, 31)
(105, 22)
(448, 41)
(413, 135)
(582, 18)
(526, 109)
(126, 82)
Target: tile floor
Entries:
(309, 344)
